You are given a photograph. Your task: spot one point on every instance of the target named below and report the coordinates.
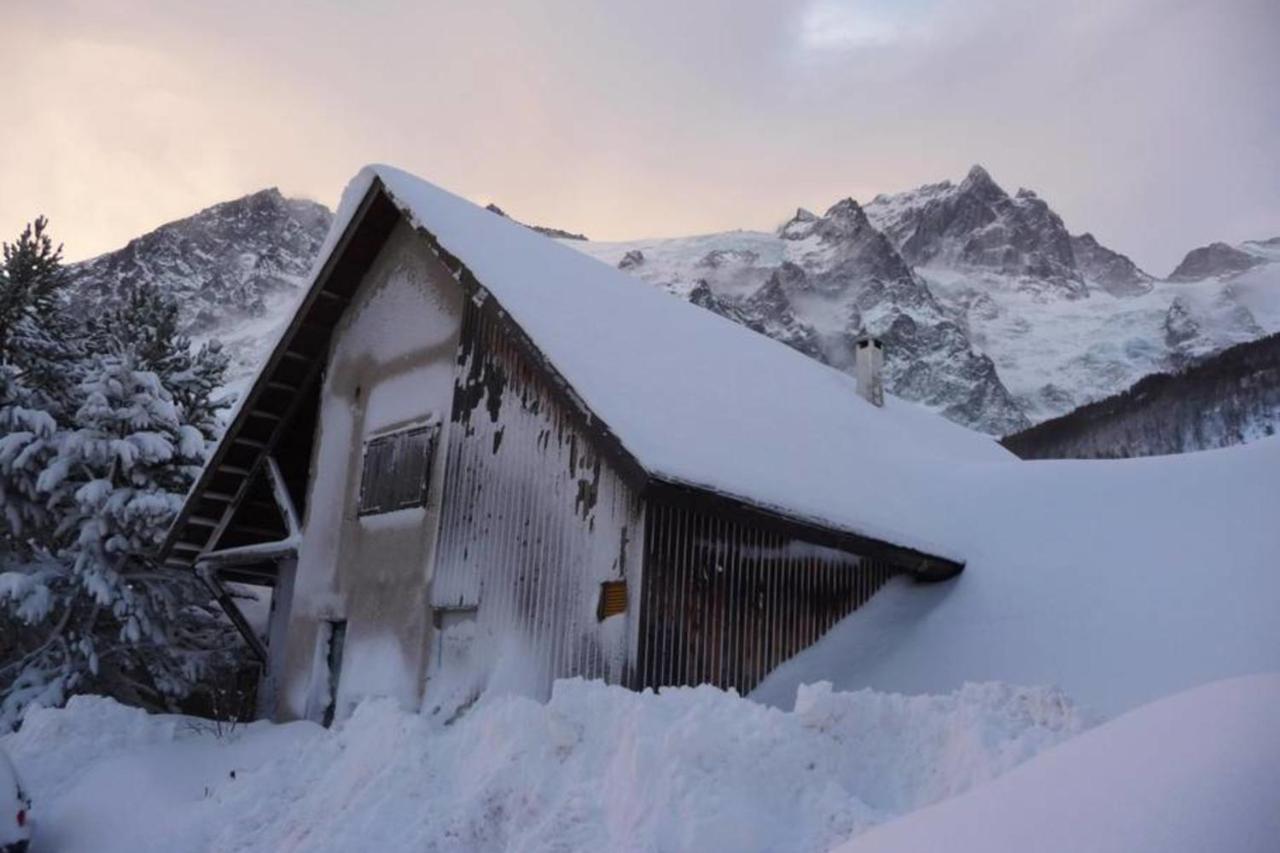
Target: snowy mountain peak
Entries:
(976, 226)
(817, 284)
(1215, 260)
(844, 221)
(235, 268)
(799, 226)
(846, 208)
(980, 179)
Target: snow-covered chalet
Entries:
(477, 454)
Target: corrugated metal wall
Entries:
(725, 602)
(534, 519)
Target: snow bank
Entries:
(106, 777)
(1119, 581)
(1194, 772)
(596, 768)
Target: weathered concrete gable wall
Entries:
(392, 364)
(534, 520)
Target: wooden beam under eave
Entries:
(284, 501)
(360, 241)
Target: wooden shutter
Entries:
(397, 470)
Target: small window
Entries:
(613, 600)
(397, 469)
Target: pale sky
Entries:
(1155, 124)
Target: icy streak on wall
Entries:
(535, 518)
(725, 602)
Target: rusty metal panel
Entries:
(724, 601)
(534, 520)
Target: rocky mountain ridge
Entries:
(975, 225)
(993, 312)
(236, 269)
(1002, 319)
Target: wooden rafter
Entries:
(304, 344)
(284, 501)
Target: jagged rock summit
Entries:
(975, 225)
(235, 268)
(816, 284)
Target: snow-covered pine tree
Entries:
(38, 368)
(146, 324)
(37, 337)
(88, 490)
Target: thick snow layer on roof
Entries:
(1193, 772)
(696, 398)
(1119, 581)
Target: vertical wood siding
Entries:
(534, 520)
(724, 603)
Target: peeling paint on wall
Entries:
(533, 517)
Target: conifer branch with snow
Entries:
(103, 426)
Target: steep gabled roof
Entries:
(692, 399)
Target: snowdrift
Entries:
(1118, 581)
(1194, 772)
(596, 768)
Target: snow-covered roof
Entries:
(696, 399)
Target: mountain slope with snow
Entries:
(1065, 319)
(236, 269)
(1229, 398)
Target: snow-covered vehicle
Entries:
(15, 810)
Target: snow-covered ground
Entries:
(1123, 583)
(596, 768)
(1194, 772)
